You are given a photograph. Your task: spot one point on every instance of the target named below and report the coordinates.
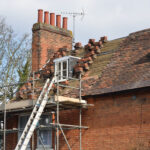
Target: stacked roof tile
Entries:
(47, 71)
(111, 66)
(92, 49)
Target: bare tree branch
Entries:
(14, 53)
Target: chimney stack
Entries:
(40, 16)
(49, 35)
(58, 21)
(52, 19)
(46, 17)
(65, 22)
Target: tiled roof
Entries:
(96, 68)
(129, 67)
(111, 66)
(123, 64)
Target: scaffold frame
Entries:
(53, 107)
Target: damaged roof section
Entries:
(124, 71)
(97, 65)
(106, 66)
(123, 64)
(88, 55)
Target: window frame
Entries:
(40, 146)
(57, 71)
(1, 136)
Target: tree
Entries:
(15, 53)
(24, 73)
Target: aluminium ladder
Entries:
(35, 116)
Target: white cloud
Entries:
(114, 18)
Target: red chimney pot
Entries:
(65, 22)
(52, 19)
(58, 21)
(46, 17)
(40, 16)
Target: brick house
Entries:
(115, 79)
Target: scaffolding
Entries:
(59, 126)
(56, 107)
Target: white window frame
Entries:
(61, 60)
(61, 78)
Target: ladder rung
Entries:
(35, 116)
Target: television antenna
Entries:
(74, 15)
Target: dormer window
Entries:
(64, 67)
(61, 70)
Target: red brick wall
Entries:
(46, 40)
(11, 138)
(116, 122)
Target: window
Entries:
(64, 67)
(1, 135)
(61, 70)
(22, 123)
(45, 134)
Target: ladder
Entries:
(35, 116)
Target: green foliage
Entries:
(24, 72)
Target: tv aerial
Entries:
(74, 15)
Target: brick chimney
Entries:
(48, 38)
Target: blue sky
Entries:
(113, 18)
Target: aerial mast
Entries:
(74, 15)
